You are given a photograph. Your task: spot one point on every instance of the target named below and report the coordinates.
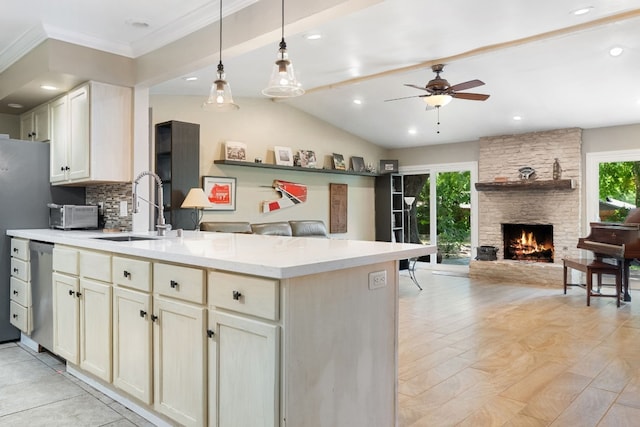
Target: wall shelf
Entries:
(534, 185)
(289, 168)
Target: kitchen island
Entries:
(231, 329)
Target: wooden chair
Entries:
(591, 267)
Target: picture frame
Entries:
(338, 162)
(388, 166)
(234, 150)
(221, 192)
(307, 158)
(357, 164)
(283, 155)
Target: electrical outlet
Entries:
(377, 279)
(123, 208)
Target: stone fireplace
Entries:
(541, 201)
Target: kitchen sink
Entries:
(125, 238)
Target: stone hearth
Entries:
(503, 156)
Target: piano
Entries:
(614, 240)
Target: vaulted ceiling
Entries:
(539, 61)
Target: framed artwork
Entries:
(284, 156)
(221, 192)
(338, 162)
(388, 166)
(357, 163)
(307, 158)
(234, 150)
(338, 196)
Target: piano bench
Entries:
(591, 267)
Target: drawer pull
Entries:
(237, 295)
(15, 292)
(16, 250)
(15, 270)
(154, 317)
(15, 316)
(143, 313)
(210, 333)
(71, 292)
(173, 284)
(127, 274)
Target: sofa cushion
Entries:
(308, 228)
(272, 228)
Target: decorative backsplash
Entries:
(110, 195)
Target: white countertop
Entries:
(268, 256)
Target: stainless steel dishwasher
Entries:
(42, 293)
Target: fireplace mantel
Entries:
(524, 185)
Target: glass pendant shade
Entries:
(437, 100)
(220, 98)
(283, 82)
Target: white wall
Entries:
(10, 125)
(261, 124)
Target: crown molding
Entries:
(23, 45)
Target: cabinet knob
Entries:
(15, 292)
(15, 250)
(236, 295)
(15, 316)
(67, 168)
(210, 333)
(126, 274)
(173, 284)
(15, 270)
(71, 292)
(143, 313)
(62, 168)
(78, 294)
(154, 317)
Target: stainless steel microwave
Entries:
(68, 217)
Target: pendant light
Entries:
(220, 98)
(283, 82)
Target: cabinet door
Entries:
(95, 328)
(132, 363)
(243, 371)
(65, 317)
(179, 337)
(26, 126)
(59, 125)
(79, 133)
(41, 123)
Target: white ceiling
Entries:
(538, 60)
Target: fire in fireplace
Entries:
(528, 242)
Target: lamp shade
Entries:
(283, 82)
(195, 199)
(409, 200)
(220, 98)
(437, 100)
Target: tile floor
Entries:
(472, 353)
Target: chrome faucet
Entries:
(160, 224)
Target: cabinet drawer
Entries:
(132, 273)
(95, 265)
(20, 269)
(20, 317)
(20, 249)
(245, 294)
(65, 260)
(186, 283)
(20, 292)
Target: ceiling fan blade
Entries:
(406, 97)
(418, 87)
(466, 85)
(470, 96)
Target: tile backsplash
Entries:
(111, 195)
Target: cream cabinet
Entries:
(82, 309)
(34, 124)
(244, 357)
(20, 310)
(91, 135)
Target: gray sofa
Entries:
(296, 228)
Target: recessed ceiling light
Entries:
(48, 87)
(582, 11)
(517, 118)
(190, 79)
(357, 101)
(14, 105)
(137, 23)
(313, 36)
(616, 51)
(412, 131)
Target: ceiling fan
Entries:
(440, 92)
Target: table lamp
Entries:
(197, 200)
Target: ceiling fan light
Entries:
(437, 100)
(283, 82)
(220, 98)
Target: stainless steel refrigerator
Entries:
(24, 194)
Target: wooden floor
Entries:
(476, 353)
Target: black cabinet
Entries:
(177, 156)
(389, 196)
